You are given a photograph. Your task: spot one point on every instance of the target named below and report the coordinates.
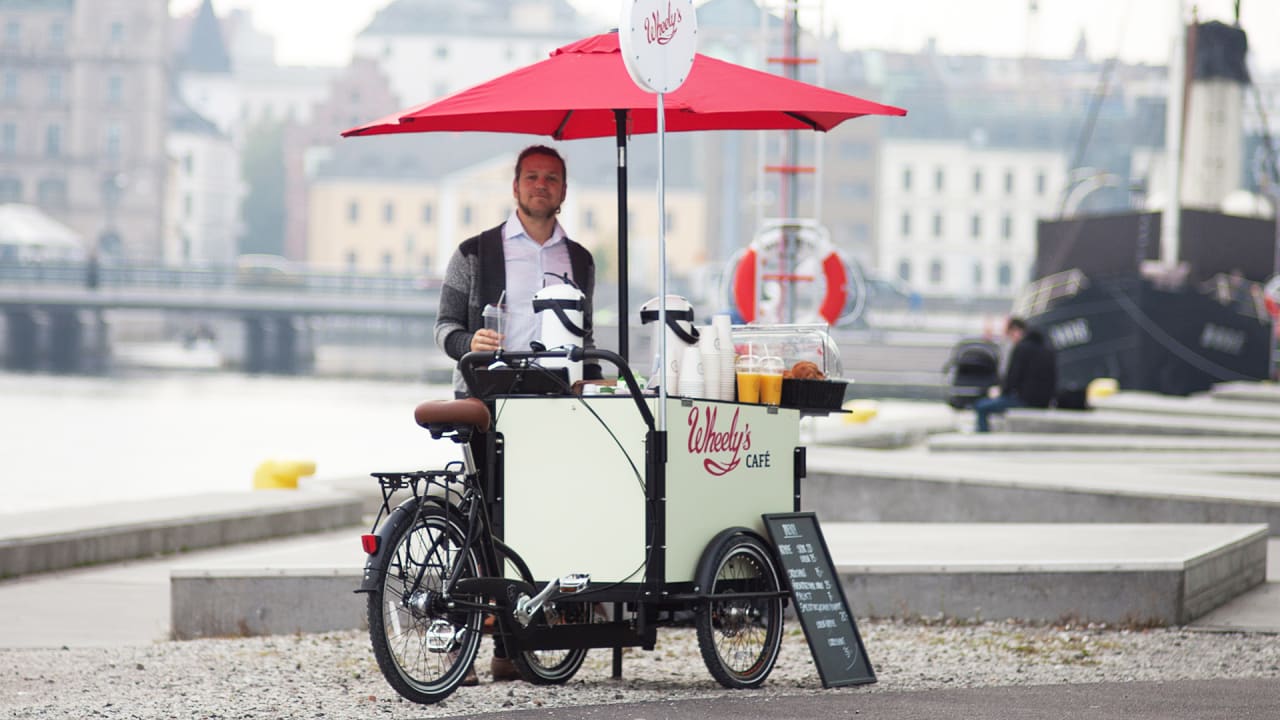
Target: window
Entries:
(57, 35)
(112, 147)
(589, 219)
(188, 205)
(53, 141)
(353, 260)
(855, 190)
(386, 263)
(442, 52)
(855, 150)
(1008, 182)
(52, 192)
(188, 164)
(117, 32)
(353, 211)
(939, 180)
(426, 213)
(54, 86)
(8, 139)
(904, 270)
(10, 190)
(935, 272)
(937, 225)
(977, 276)
(115, 90)
(977, 181)
(861, 233)
(389, 213)
(466, 214)
(906, 224)
(9, 90)
(1004, 276)
(1006, 227)
(1040, 183)
(975, 226)
(12, 34)
(906, 179)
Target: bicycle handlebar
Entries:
(521, 359)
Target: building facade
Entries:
(959, 219)
(83, 101)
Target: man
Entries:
(514, 258)
(1030, 380)
(508, 264)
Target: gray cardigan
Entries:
(477, 276)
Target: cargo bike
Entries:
(574, 523)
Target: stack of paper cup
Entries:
(691, 378)
(722, 330)
(710, 364)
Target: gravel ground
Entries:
(333, 675)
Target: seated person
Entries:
(1031, 378)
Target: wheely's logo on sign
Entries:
(720, 443)
(661, 30)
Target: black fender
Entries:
(706, 570)
(390, 528)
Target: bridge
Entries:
(53, 314)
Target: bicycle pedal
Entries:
(574, 582)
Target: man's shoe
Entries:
(470, 679)
(503, 669)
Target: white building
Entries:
(202, 207)
(959, 218)
(430, 48)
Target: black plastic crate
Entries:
(813, 394)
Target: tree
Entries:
(263, 208)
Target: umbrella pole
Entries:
(663, 390)
(624, 337)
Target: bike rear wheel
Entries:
(423, 650)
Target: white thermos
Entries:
(559, 309)
(680, 333)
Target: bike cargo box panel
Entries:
(727, 465)
(572, 501)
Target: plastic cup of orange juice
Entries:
(748, 372)
(771, 380)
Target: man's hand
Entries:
(486, 341)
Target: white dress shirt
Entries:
(526, 265)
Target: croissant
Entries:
(806, 370)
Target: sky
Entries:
(311, 33)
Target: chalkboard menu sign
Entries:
(819, 600)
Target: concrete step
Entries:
(77, 536)
(1124, 574)
(1248, 391)
(1099, 445)
(1197, 406)
(1134, 423)
(917, 486)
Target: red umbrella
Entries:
(584, 91)
(575, 93)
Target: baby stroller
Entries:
(974, 366)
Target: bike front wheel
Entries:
(423, 649)
(740, 625)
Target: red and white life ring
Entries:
(746, 275)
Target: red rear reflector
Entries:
(369, 543)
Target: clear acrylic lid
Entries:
(792, 343)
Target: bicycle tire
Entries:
(739, 638)
(424, 653)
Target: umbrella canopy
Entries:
(575, 93)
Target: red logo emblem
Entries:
(723, 446)
(662, 30)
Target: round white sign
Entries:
(658, 39)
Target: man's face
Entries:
(1014, 333)
(541, 186)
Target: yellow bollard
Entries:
(281, 474)
(1100, 388)
(861, 411)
